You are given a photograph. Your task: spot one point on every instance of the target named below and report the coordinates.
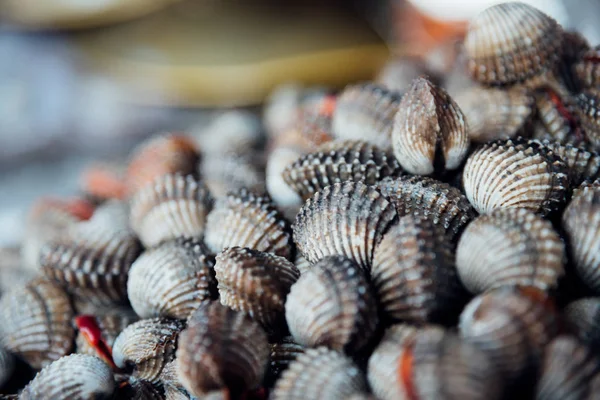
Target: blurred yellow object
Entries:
(234, 53)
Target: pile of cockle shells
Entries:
(381, 243)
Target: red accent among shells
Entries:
(564, 112)
(405, 372)
(328, 105)
(103, 183)
(88, 326)
(592, 59)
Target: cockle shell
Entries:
(366, 111)
(221, 348)
(172, 280)
(332, 305)
(148, 346)
(74, 377)
(282, 354)
(281, 193)
(515, 173)
(510, 43)
(338, 162)
(589, 113)
(246, 219)
(223, 173)
(509, 247)
(556, 117)
(429, 363)
(581, 164)
(430, 131)
(512, 325)
(35, 322)
(320, 374)
(587, 69)
(346, 219)
(172, 206)
(414, 275)
(6, 366)
(582, 318)
(255, 283)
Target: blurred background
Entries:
(86, 80)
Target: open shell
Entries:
(582, 318)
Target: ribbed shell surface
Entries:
(587, 68)
(111, 324)
(282, 354)
(581, 164)
(556, 117)
(589, 112)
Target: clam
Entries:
(582, 164)
(320, 374)
(509, 247)
(511, 42)
(515, 173)
(587, 69)
(338, 162)
(557, 119)
(172, 206)
(589, 112)
(6, 366)
(223, 173)
(172, 279)
(35, 322)
(512, 325)
(247, 219)
(255, 283)
(582, 318)
(429, 363)
(282, 354)
(346, 219)
(414, 275)
(430, 131)
(332, 305)
(221, 348)
(74, 377)
(366, 111)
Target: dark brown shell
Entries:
(582, 165)
(283, 353)
(250, 220)
(332, 305)
(414, 275)
(221, 348)
(582, 318)
(557, 118)
(111, 324)
(589, 112)
(35, 322)
(346, 219)
(430, 131)
(337, 162)
(510, 43)
(587, 69)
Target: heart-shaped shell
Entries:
(282, 354)
(149, 347)
(440, 203)
(512, 325)
(74, 377)
(589, 112)
(557, 119)
(346, 219)
(320, 374)
(429, 363)
(430, 131)
(255, 283)
(511, 247)
(172, 206)
(505, 174)
(332, 305)
(221, 348)
(172, 280)
(510, 43)
(569, 371)
(35, 322)
(582, 318)
(6, 366)
(250, 220)
(223, 173)
(493, 113)
(365, 111)
(587, 68)
(338, 162)
(414, 275)
(581, 222)
(582, 165)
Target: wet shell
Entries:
(172, 280)
(283, 353)
(581, 164)
(425, 197)
(255, 283)
(160, 155)
(429, 363)
(366, 112)
(74, 377)
(332, 305)
(511, 247)
(35, 322)
(221, 348)
(173, 206)
(6, 366)
(430, 131)
(582, 318)
(493, 113)
(506, 174)
(510, 43)
(414, 275)
(557, 119)
(569, 371)
(581, 222)
(109, 325)
(320, 374)
(587, 69)
(148, 346)
(338, 162)
(346, 219)
(223, 173)
(250, 220)
(589, 112)
(512, 325)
